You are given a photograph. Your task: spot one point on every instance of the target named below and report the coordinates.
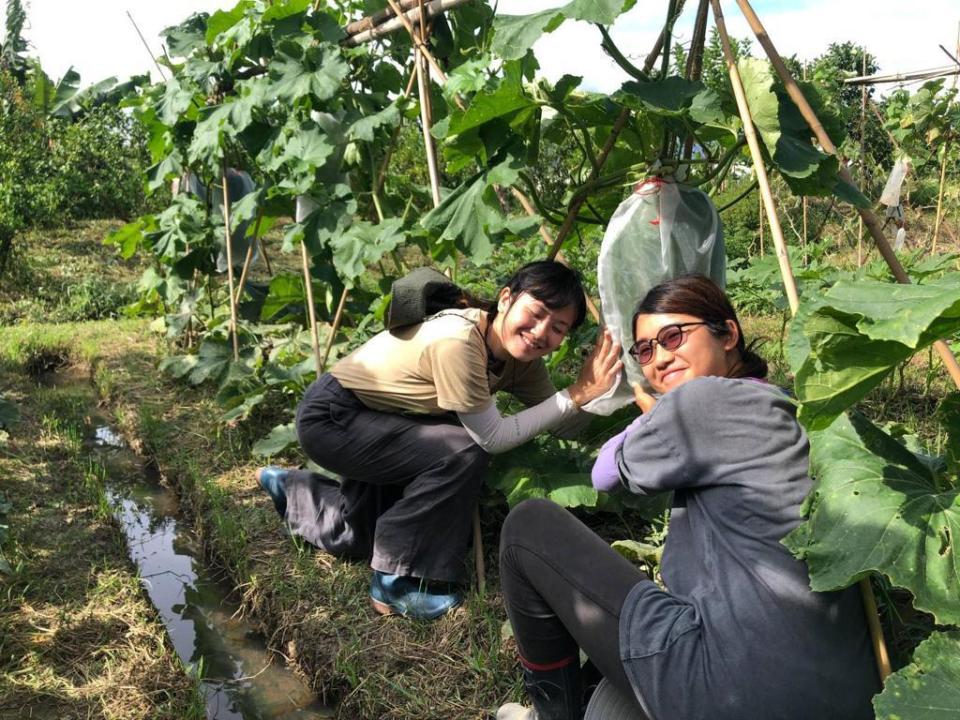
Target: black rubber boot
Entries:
(557, 693)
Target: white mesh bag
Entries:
(663, 230)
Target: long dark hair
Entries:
(699, 296)
(552, 283)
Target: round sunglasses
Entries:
(670, 337)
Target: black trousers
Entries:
(407, 489)
(564, 588)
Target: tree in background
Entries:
(14, 46)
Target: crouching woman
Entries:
(408, 421)
(737, 634)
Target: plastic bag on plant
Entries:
(663, 230)
(901, 239)
(891, 191)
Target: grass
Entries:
(312, 607)
(68, 275)
(78, 637)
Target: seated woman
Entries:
(737, 634)
(409, 422)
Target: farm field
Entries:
(180, 260)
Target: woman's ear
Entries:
(503, 299)
(732, 337)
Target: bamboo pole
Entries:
(943, 178)
(337, 319)
(873, 225)
(760, 216)
(266, 258)
(869, 218)
(754, 144)
(419, 43)
(422, 56)
(432, 9)
(226, 234)
(863, 154)
(249, 258)
(149, 51)
(425, 123)
(803, 243)
(377, 18)
(311, 310)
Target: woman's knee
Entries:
(527, 521)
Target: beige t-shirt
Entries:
(437, 366)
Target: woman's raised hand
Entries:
(599, 372)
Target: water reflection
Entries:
(240, 679)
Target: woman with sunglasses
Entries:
(737, 633)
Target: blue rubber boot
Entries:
(273, 479)
(403, 595)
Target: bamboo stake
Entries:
(425, 124)
(873, 225)
(863, 155)
(311, 310)
(418, 42)
(434, 8)
(226, 233)
(760, 215)
(337, 319)
(377, 18)
(869, 218)
(943, 178)
(422, 56)
(249, 258)
(754, 144)
(149, 51)
(804, 201)
(266, 258)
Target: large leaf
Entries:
(670, 96)
(877, 507)
(783, 130)
(278, 440)
(186, 37)
(316, 70)
(286, 291)
(928, 688)
(515, 34)
(470, 216)
(364, 244)
(858, 333)
(565, 489)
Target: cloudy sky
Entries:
(98, 40)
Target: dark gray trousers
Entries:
(564, 588)
(407, 489)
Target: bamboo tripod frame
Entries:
(870, 607)
(873, 225)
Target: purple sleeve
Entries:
(605, 475)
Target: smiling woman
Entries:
(409, 421)
(736, 634)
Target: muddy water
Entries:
(241, 679)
